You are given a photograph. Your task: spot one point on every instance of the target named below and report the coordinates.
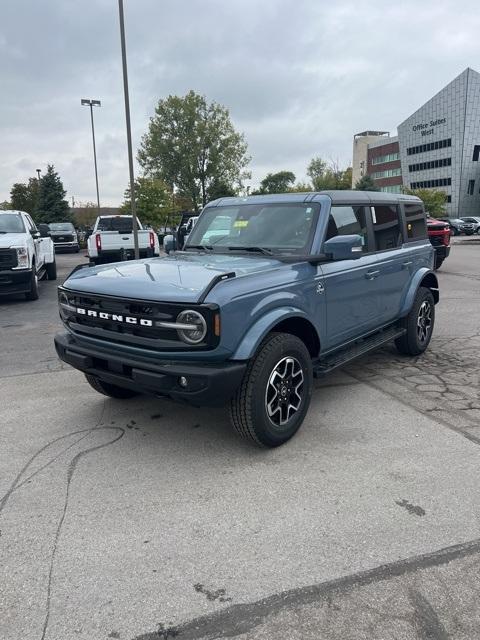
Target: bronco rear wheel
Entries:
(110, 390)
(418, 324)
(273, 399)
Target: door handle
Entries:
(371, 275)
(407, 263)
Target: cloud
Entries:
(299, 77)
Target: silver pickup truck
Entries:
(112, 240)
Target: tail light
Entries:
(446, 237)
(152, 240)
(98, 242)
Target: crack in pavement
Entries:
(239, 619)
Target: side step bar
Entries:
(359, 348)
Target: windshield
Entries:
(123, 225)
(61, 226)
(287, 227)
(11, 223)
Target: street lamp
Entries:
(39, 171)
(129, 130)
(93, 103)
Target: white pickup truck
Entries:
(27, 254)
(112, 240)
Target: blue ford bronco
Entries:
(269, 292)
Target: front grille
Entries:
(123, 332)
(8, 258)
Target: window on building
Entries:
(389, 157)
(386, 227)
(347, 220)
(394, 188)
(439, 144)
(432, 164)
(476, 153)
(388, 173)
(430, 184)
(415, 219)
(449, 198)
(471, 187)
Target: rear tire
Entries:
(110, 390)
(418, 324)
(32, 293)
(51, 270)
(273, 399)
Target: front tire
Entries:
(32, 293)
(110, 390)
(273, 399)
(418, 324)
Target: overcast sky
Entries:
(299, 77)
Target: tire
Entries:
(438, 263)
(32, 293)
(51, 269)
(273, 399)
(456, 232)
(418, 324)
(110, 390)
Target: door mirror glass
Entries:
(344, 247)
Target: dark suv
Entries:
(459, 226)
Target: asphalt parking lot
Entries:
(143, 519)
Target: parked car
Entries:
(473, 220)
(27, 254)
(64, 236)
(459, 226)
(439, 236)
(112, 240)
(302, 284)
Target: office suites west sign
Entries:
(427, 128)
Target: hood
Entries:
(8, 240)
(182, 277)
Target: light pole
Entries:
(129, 131)
(93, 103)
(39, 171)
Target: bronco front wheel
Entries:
(273, 399)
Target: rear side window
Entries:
(415, 219)
(386, 227)
(346, 220)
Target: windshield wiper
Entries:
(202, 247)
(264, 250)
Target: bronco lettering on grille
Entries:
(114, 317)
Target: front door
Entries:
(351, 292)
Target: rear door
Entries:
(395, 264)
(37, 242)
(350, 285)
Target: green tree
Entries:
(52, 206)
(24, 197)
(85, 214)
(280, 182)
(193, 144)
(153, 200)
(435, 201)
(366, 183)
(328, 175)
(219, 189)
(5, 205)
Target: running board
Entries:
(357, 349)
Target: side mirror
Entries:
(344, 247)
(44, 230)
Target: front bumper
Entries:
(66, 246)
(442, 251)
(15, 281)
(208, 384)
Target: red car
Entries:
(439, 233)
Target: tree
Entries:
(192, 144)
(280, 182)
(24, 197)
(85, 214)
(52, 206)
(5, 205)
(435, 201)
(366, 183)
(328, 175)
(219, 189)
(153, 200)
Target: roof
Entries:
(337, 197)
(10, 211)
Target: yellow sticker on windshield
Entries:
(239, 224)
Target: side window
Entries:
(30, 223)
(345, 220)
(416, 224)
(386, 227)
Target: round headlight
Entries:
(197, 330)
